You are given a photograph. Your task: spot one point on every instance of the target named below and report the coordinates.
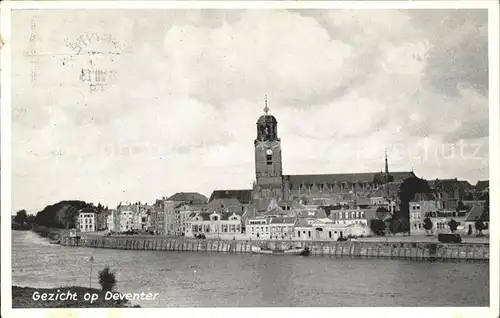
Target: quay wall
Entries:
(363, 249)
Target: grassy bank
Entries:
(23, 297)
(51, 233)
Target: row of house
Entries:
(233, 213)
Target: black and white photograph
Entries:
(250, 155)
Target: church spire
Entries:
(386, 163)
(266, 109)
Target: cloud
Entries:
(181, 111)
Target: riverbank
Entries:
(51, 233)
(360, 249)
(28, 297)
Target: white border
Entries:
(493, 31)
(5, 138)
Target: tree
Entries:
(453, 225)
(21, 217)
(407, 191)
(461, 206)
(428, 226)
(479, 225)
(107, 279)
(377, 226)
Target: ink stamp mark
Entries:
(32, 49)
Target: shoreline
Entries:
(399, 249)
(23, 297)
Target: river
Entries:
(186, 279)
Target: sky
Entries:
(184, 89)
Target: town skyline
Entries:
(186, 100)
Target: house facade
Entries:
(258, 228)
(87, 220)
(214, 225)
(346, 217)
(281, 228)
(326, 230)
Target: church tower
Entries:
(268, 165)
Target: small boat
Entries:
(296, 251)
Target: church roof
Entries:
(344, 177)
(264, 119)
(244, 196)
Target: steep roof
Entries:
(323, 201)
(344, 177)
(284, 220)
(262, 204)
(465, 185)
(88, 210)
(482, 185)
(387, 190)
(224, 203)
(274, 211)
(226, 206)
(242, 195)
(363, 201)
(474, 214)
(189, 197)
(302, 223)
(311, 213)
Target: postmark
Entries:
(95, 55)
(32, 48)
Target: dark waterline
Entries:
(185, 279)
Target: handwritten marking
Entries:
(94, 74)
(32, 48)
(85, 39)
(97, 75)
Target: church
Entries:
(271, 183)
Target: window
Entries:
(329, 234)
(309, 233)
(298, 233)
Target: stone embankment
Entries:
(404, 250)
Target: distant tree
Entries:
(461, 206)
(404, 226)
(407, 191)
(21, 217)
(31, 219)
(388, 224)
(479, 225)
(382, 209)
(485, 216)
(453, 225)
(428, 226)
(107, 279)
(377, 226)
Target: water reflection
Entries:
(186, 279)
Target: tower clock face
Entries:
(269, 152)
